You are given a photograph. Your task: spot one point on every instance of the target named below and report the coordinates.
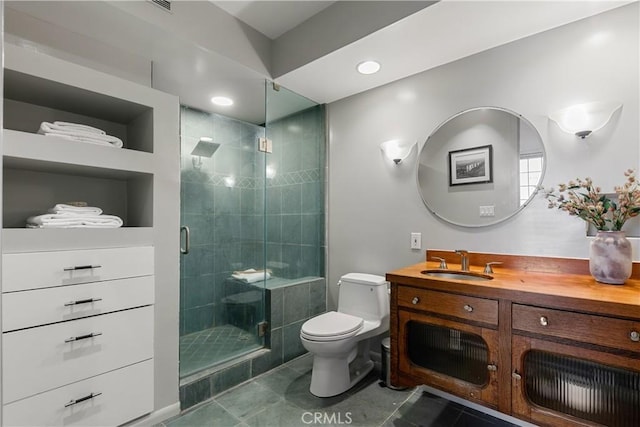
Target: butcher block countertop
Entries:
(551, 282)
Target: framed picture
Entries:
(471, 165)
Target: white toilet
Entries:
(339, 340)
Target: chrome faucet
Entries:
(464, 262)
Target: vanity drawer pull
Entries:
(82, 301)
(82, 267)
(81, 399)
(83, 337)
(635, 336)
(415, 300)
(468, 308)
(544, 321)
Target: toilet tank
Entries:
(364, 295)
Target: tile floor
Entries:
(281, 398)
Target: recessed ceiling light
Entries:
(222, 100)
(368, 67)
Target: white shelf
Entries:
(16, 240)
(30, 151)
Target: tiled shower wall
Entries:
(295, 195)
(226, 221)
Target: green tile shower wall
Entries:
(225, 222)
(228, 224)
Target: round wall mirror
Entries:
(480, 167)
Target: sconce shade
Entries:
(396, 150)
(584, 119)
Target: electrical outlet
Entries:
(416, 240)
(487, 210)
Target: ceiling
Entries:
(201, 49)
(273, 18)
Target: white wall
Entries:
(373, 205)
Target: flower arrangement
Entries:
(582, 199)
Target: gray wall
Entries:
(374, 205)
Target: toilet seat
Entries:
(331, 326)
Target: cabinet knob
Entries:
(415, 300)
(468, 308)
(517, 376)
(544, 321)
(492, 367)
(635, 336)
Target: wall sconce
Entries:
(584, 119)
(396, 150)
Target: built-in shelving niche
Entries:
(41, 171)
(30, 188)
(31, 100)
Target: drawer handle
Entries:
(82, 399)
(468, 308)
(415, 300)
(635, 336)
(492, 367)
(517, 376)
(83, 337)
(544, 321)
(82, 267)
(82, 301)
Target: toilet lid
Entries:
(331, 324)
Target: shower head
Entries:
(205, 147)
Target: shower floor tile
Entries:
(203, 349)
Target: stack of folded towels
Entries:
(252, 275)
(74, 215)
(79, 132)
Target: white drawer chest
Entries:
(89, 315)
(77, 331)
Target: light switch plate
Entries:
(416, 240)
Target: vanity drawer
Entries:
(39, 359)
(33, 270)
(42, 306)
(120, 396)
(461, 306)
(599, 330)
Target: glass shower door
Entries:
(222, 204)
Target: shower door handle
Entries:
(187, 239)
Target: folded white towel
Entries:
(49, 129)
(65, 209)
(251, 275)
(77, 126)
(71, 221)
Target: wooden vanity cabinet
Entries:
(449, 341)
(573, 368)
(558, 349)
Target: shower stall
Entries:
(252, 211)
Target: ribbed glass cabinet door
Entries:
(448, 351)
(587, 390)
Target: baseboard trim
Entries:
(156, 417)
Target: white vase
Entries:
(610, 257)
